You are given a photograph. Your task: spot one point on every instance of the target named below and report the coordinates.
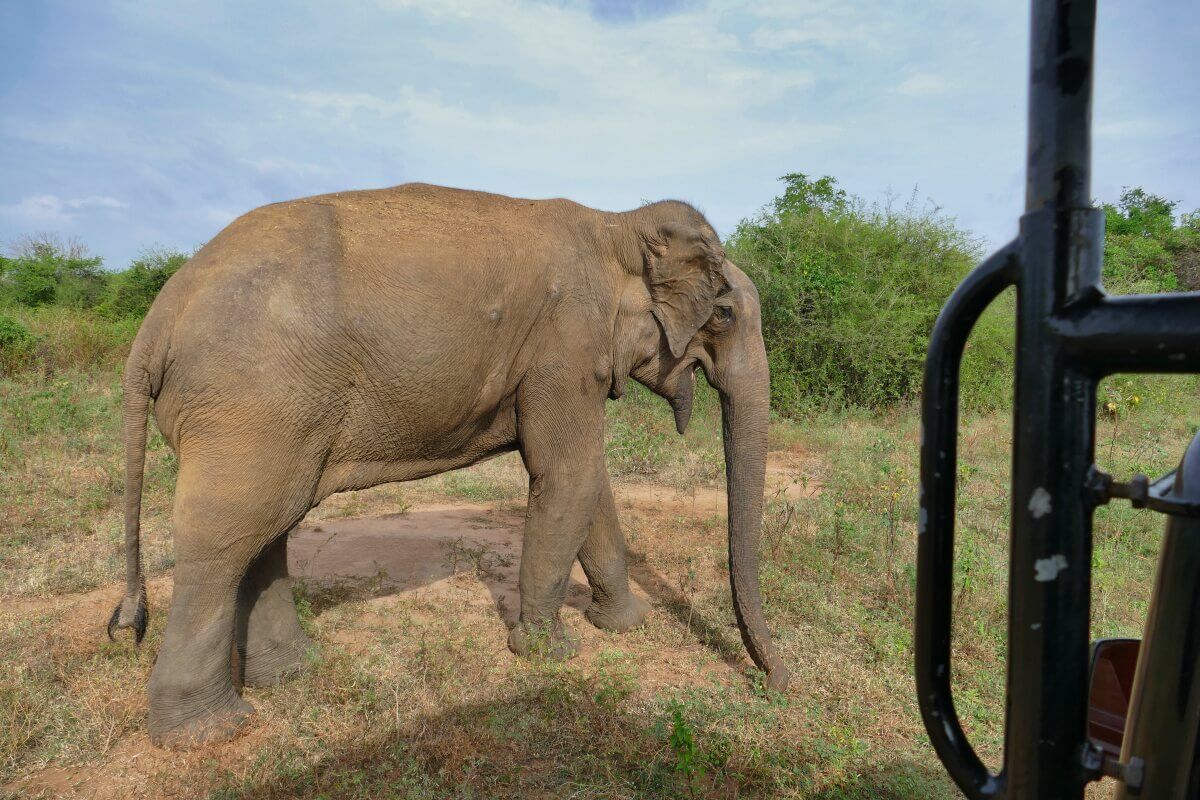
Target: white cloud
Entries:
(278, 165)
(52, 209)
(1144, 129)
(571, 93)
(823, 23)
(218, 217)
(96, 201)
(924, 84)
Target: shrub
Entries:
(16, 346)
(45, 270)
(1146, 249)
(64, 339)
(849, 293)
(131, 292)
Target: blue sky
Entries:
(132, 123)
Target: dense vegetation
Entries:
(850, 291)
(60, 308)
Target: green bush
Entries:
(67, 339)
(131, 292)
(46, 271)
(849, 293)
(17, 346)
(65, 312)
(1146, 249)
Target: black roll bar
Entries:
(1069, 335)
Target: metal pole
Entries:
(1054, 418)
(1060, 105)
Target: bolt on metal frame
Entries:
(1069, 335)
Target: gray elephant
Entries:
(339, 342)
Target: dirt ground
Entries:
(462, 557)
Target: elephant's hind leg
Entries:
(271, 644)
(226, 512)
(604, 559)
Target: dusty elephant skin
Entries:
(342, 341)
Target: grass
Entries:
(415, 696)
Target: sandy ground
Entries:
(465, 555)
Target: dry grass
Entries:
(413, 694)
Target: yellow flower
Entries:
(1135, 400)
(1111, 407)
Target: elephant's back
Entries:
(321, 253)
(387, 289)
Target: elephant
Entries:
(338, 342)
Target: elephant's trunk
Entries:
(745, 414)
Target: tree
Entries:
(46, 269)
(1146, 249)
(801, 195)
(131, 292)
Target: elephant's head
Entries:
(690, 308)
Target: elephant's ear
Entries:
(684, 274)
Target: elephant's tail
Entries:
(133, 610)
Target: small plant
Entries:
(894, 486)
(1117, 405)
(481, 560)
(689, 761)
(474, 487)
(616, 679)
(316, 596)
(839, 526)
(634, 447)
(757, 680)
(688, 586)
(304, 608)
(778, 522)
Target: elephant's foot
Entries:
(273, 662)
(543, 640)
(618, 615)
(196, 724)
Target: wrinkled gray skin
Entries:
(339, 342)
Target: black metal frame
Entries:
(1069, 336)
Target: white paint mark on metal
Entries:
(1047, 569)
(1039, 503)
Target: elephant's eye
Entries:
(723, 313)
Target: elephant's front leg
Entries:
(562, 445)
(604, 558)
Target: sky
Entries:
(132, 124)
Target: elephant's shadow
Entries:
(350, 559)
